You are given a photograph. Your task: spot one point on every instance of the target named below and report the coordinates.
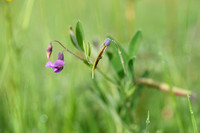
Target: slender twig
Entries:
(68, 50)
(162, 86)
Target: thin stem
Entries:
(162, 86)
(121, 58)
(68, 50)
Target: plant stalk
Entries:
(162, 86)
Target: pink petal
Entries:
(59, 63)
(49, 64)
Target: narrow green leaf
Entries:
(114, 58)
(124, 54)
(79, 35)
(73, 39)
(115, 62)
(89, 49)
(134, 44)
(131, 68)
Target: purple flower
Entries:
(49, 51)
(58, 65)
(107, 42)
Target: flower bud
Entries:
(107, 42)
(60, 56)
(49, 50)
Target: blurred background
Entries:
(34, 99)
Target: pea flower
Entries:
(49, 51)
(58, 65)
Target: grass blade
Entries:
(192, 116)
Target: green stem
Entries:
(68, 50)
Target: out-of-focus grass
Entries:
(192, 116)
(33, 99)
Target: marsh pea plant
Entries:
(122, 62)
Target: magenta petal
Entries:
(49, 64)
(59, 63)
(57, 69)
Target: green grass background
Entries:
(34, 99)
